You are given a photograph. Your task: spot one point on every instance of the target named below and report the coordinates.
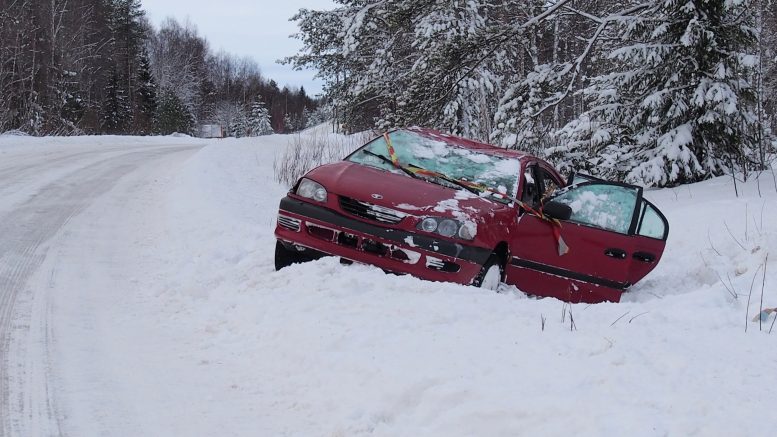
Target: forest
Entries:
(655, 92)
(99, 67)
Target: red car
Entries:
(444, 208)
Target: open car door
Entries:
(614, 236)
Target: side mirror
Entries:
(557, 210)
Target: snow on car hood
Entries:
(401, 192)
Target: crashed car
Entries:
(443, 208)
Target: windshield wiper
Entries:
(449, 179)
(479, 191)
(434, 174)
(391, 163)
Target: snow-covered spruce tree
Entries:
(173, 116)
(305, 119)
(117, 111)
(238, 127)
(288, 123)
(146, 97)
(321, 114)
(129, 32)
(677, 106)
(258, 122)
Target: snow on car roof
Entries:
(468, 143)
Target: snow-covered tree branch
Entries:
(658, 92)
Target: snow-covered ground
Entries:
(154, 310)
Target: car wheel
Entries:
(490, 275)
(286, 257)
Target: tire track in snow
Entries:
(23, 234)
(23, 175)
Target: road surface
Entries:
(40, 193)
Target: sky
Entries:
(258, 29)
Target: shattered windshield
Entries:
(456, 162)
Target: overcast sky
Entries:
(259, 29)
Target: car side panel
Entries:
(537, 283)
(587, 261)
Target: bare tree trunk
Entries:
(759, 87)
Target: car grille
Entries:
(370, 211)
(289, 223)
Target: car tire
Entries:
(285, 257)
(490, 275)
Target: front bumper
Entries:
(308, 226)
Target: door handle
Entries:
(615, 253)
(645, 257)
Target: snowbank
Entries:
(185, 328)
(323, 349)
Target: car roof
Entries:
(469, 144)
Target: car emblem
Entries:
(377, 196)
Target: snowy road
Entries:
(49, 188)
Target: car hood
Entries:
(401, 192)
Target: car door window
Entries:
(653, 224)
(607, 206)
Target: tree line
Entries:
(100, 67)
(656, 92)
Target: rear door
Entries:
(606, 253)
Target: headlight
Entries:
(311, 190)
(428, 224)
(448, 228)
(467, 231)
